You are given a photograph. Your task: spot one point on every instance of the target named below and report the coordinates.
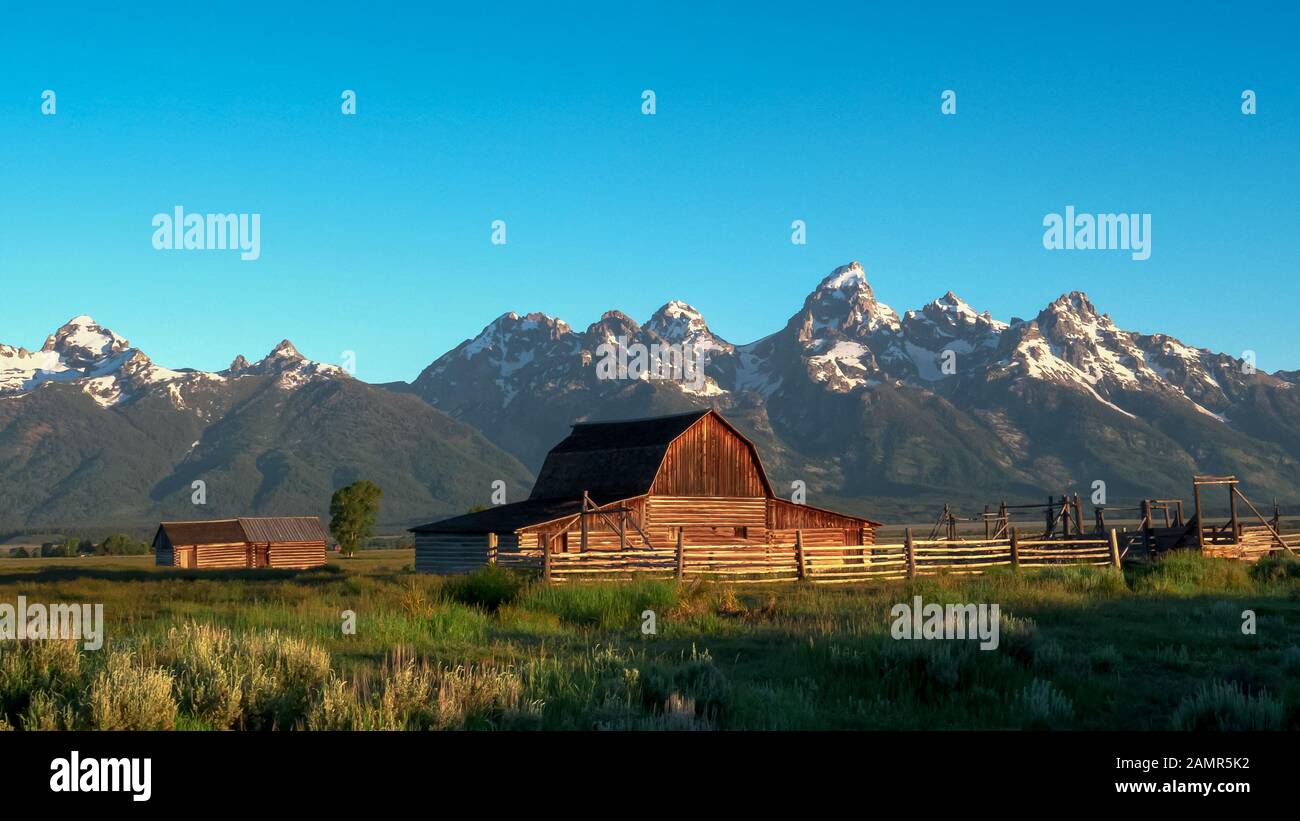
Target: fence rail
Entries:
(839, 564)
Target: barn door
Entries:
(185, 557)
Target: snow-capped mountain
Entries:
(93, 432)
(861, 401)
(103, 365)
(888, 414)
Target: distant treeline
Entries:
(118, 544)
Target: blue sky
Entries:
(375, 228)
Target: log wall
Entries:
(221, 555)
(296, 554)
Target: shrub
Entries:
(209, 684)
(488, 587)
(127, 695)
(1042, 706)
(1275, 568)
(1224, 706)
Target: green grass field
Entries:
(1081, 648)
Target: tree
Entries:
(353, 511)
(119, 544)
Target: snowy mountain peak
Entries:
(285, 350)
(612, 325)
(851, 277)
(81, 341)
(956, 315)
(844, 302)
(239, 365)
(676, 321)
(1075, 302)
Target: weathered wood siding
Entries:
(706, 520)
(296, 554)
(450, 552)
(460, 552)
(708, 459)
(221, 555)
(788, 516)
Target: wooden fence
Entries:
(750, 563)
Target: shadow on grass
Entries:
(315, 575)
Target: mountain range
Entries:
(875, 412)
(92, 432)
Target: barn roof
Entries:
(506, 518)
(613, 460)
(248, 529)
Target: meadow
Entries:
(1148, 648)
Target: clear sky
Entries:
(375, 229)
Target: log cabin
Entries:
(635, 484)
(278, 541)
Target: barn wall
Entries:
(164, 556)
(708, 460)
(702, 521)
(783, 515)
(450, 552)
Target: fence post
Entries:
(1015, 549)
(911, 553)
(1148, 538)
(681, 556)
(546, 557)
(799, 561)
(492, 548)
(1114, 547)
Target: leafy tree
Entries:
(67, 547)
(119, 544)
(353, 511)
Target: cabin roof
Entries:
(284, 529)
(247, 529)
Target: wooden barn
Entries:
(273, 541)
(635, 484)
